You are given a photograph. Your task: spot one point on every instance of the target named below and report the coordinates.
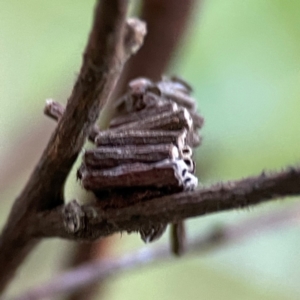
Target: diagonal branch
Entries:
(89, 222)
(105, 54)
(100, 270)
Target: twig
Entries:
(99, 270)
(103, 60)
(55, 111)
(89, 222)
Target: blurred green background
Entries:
(243, 60)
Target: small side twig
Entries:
(55, 111)
(92, 222)
(99, 270)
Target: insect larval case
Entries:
(147, 150)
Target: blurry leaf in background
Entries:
(243, 60)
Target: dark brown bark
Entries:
(99, 270)
(90, 222)
(102, 64)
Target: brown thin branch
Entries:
(89, 222)
(102, 63)
(100, 270)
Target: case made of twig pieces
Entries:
(147, 150)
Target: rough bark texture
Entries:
(90, 222)
(102, 64)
